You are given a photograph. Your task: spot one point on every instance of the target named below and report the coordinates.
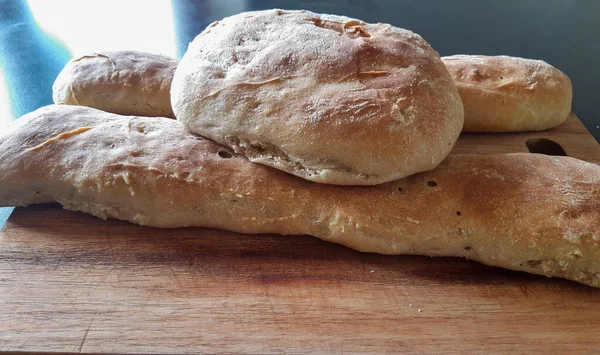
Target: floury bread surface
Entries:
(509, 94)
(326, 98)
(125, 82)
(527, 212)
(500, 94)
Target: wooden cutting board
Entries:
(74, 283)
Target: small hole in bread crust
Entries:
(467, 248)
(458, 213)
(400, 189)
(225, 155)
(432, 183)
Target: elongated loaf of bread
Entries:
(527, 212)
(327, 98)
(126, 82)
(509, 94)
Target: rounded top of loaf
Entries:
(505, 72)
(122, 82)
(328, 98)
(506, 94)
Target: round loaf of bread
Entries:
(509, 94)
(327, 98)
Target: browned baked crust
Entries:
(327, 98)
(527, 212)
(124, 82)
(510, 94)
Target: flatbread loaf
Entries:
(527, 212)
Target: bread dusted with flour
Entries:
(125, 82)
(500, 94)
(323, 97)
(527, 212)
(509, 94)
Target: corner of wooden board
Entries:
(571, 138)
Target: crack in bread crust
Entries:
(263, 152)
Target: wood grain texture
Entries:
(571, 135)
(74, 283)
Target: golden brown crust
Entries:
(527, 212)
(509, 94)
(125, 82)
(327, 98)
